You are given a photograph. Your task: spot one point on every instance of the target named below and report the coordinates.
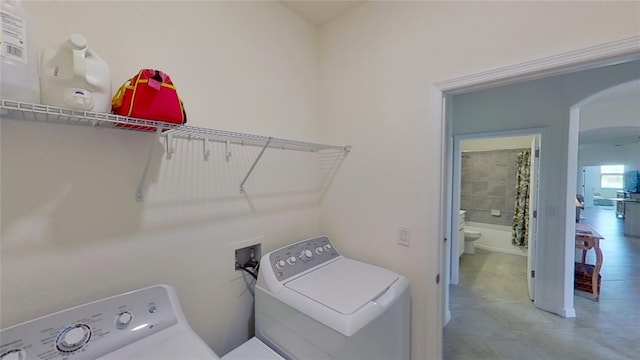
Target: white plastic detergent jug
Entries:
(72, 76)
(19, 59)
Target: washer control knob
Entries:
(280, 264)
(327, 247)
(306, 254)
(123, 320)
(15, 354)
(73, 338)
(319, 250)
(292, 260)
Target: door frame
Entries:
(534, 215)
(610, 53)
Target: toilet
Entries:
(469, 237)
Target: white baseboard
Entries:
(565, 312)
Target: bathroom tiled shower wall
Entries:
(489, 182)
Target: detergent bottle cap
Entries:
(78, 41)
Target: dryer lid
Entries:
(344, 285)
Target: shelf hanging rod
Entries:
(140, 188)
(206, 149)
(254, 165)
(227, 151)
(169, 146)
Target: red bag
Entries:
(149, 95)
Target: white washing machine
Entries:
(313, 303)
(141, 324)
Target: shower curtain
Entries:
(520, 234)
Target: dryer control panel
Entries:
(301, 256)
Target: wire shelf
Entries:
(48, 113)
(54, 114)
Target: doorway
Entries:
(558, 205)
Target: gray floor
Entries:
(492, 317)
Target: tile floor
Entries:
(493, 318)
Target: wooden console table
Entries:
(588, 238)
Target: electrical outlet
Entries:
(404, 236)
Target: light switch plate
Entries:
(404, 236)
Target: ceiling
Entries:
(625, 99)
(320, 12)
(612, 116)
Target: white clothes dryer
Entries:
(142, 324)
(313, 303)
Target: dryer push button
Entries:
(123, 320)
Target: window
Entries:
(611, 176)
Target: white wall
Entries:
(609, 154)
(378, 67)
(591, 177)
(71, 229)
(620, 108)
(500, 143)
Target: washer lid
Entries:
(344, 285)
